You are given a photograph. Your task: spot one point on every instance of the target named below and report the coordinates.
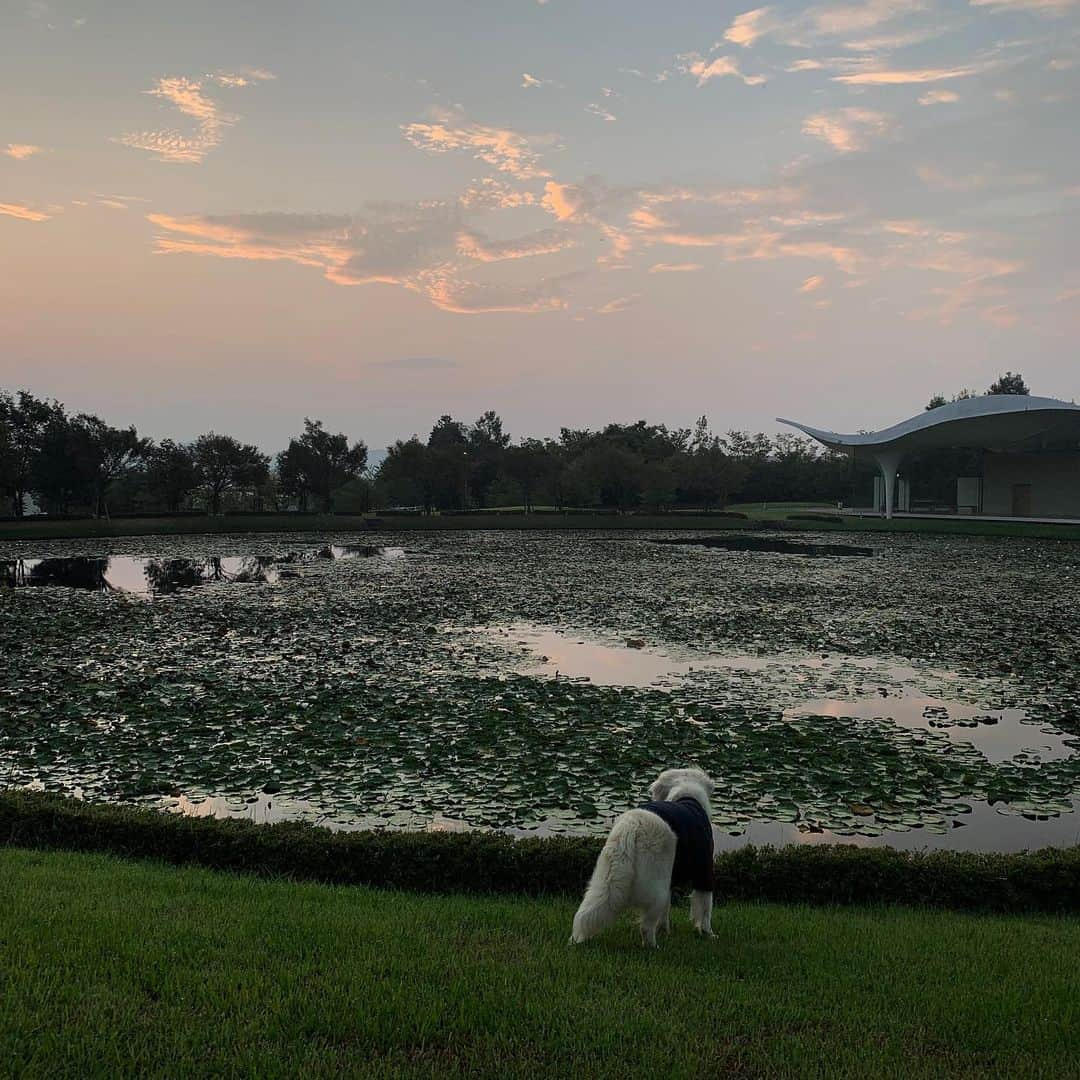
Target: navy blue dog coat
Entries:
(692, 828)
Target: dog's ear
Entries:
(659, 788)
(706, 781)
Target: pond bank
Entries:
(44, 529)
(475, 862)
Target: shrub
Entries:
(476, 862)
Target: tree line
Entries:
(79, 464)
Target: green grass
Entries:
(111, 968)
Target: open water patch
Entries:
(770, 544)
(162, 576)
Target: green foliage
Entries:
(488, 863)
(222, 463)
(318, 464)
(1009, 384)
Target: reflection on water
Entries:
(775, 545)
(984, 828)
(126, 574)
(999, 734)
(160, 577)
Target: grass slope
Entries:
(113, 968)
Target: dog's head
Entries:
(669, 779)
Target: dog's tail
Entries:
(610, 885)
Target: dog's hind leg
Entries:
(655, 912)
(667, 916)
(651, 919)
(701, 911)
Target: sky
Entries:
(230, 216)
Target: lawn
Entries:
(113, 968)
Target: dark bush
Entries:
(1046, 881)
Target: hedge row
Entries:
(1042, 881)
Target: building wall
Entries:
(1054, 480)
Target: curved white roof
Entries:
(991, 420)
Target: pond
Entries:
(537, 682)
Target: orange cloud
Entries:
(748, 27)
(24, 213)
(675, 268)
(907, 76)
(939, 97)
(812, 284)
(847, 130)
(544, 242)
(420, 247)
(703, 70)
(21, 151)
(506, 150)
(187, 96)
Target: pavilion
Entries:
(1030, 445)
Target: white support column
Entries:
(888, 462)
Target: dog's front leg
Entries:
(701, 912)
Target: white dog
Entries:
(667, 841)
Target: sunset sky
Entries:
(230, 215)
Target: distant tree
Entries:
(659, 484)
(103, 454)
(446, 466)
(404, 477)
(171, 474)
(935, 402)
(223, 462)
(487, 445)
(1009, 384)
(610, 475)
(23, 420)
(710, 473)
(531, 466)
(318, 463)
(57, 481)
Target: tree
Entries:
(103, 454)
(530, 466)
(710, 473)
(1009, 384)
(935, 402)
(171, 473)
(446, 466)
(23, 420)
(318, 463)
(404, 475)
(487, 445)
(223, 462)
(56, 479)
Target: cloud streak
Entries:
(847, 130)
(705, 70)
(22, 151)
(24, 213)
(506, 150)
(188, 97)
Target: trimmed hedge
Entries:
(475, 862)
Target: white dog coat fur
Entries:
(634, 868)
